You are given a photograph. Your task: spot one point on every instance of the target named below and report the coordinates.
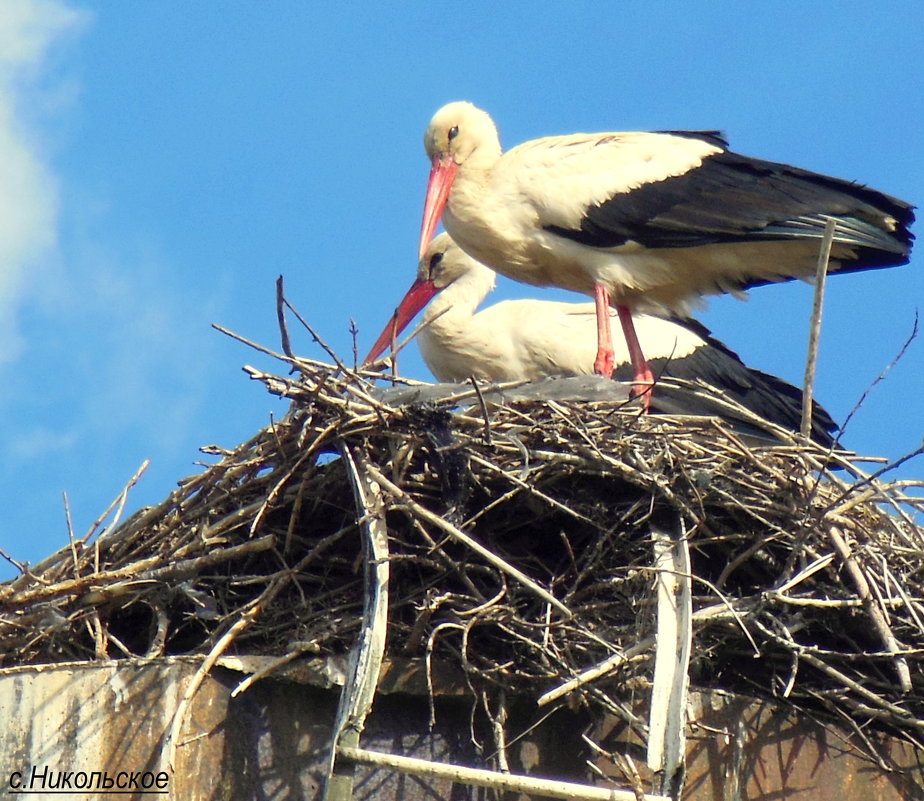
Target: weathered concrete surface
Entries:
(270, 742)
(743, 749)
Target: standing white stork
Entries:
(644, 221)
(530, 339)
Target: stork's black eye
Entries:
(435, 260)
(453, 132)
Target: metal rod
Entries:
(480, 777)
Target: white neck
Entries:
(457, 303)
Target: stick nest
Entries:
(266, 542)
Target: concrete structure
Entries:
(271, 741)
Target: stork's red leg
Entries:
(603, 364)
(643, 378)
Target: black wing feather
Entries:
(763, 394)
(734, 198)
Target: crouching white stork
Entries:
(644, 221)
(530, 340)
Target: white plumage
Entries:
(519, 339)
(530, 340)
(644, 221)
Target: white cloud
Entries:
(109, 349)
(30, 31)
(31, 440)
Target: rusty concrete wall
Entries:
(270, 742)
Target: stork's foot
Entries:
(642, 387)
(642, 391)
(603, 364)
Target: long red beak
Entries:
(417, 297)
(442, 174)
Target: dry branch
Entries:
(520, 553)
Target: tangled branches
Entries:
(521, 553)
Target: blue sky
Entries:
(165, 161)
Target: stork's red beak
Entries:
(442, 174)
(417, 297)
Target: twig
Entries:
(895, 712)
(608, 665)
(316, 337)
(119, 501)
(808, 388)
(281, 318)
(70, 534)
(477, 547)
(354, 333)
(246, 618)
(882, 375)
(171, 739)
(873, 477)
(872, 609)
(268, 669)
(20, 566)
(484, 410)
